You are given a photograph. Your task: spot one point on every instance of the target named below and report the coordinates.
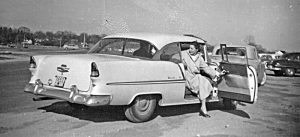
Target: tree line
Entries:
(10, 35)
(18, 35)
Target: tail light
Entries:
(32, 62)
(94, 70)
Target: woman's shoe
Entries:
(204, 115)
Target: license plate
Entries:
(60, 81)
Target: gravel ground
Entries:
(276, 113)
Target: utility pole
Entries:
(83, 40)
(60, 42)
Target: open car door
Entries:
(241, 81)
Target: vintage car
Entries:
(136, 70)
(70, 46)
(266, 59)
(287, 64)
(242, 54)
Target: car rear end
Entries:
(66, 77)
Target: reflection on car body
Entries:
(110, 74)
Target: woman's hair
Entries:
(196, 45)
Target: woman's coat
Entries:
(195, 81)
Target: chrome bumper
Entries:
(72, 95)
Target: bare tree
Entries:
(250, 40)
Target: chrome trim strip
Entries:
(148, 82)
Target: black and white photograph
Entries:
(156, 68)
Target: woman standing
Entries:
(194, 63)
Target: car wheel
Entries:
(278, 73)
(141, 109)
(289, 72)
(229, 104)
(264, 79)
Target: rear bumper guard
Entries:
(72, 95)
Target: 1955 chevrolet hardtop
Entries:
(138, 71)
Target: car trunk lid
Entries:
(63, 71)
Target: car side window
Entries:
(130, 47)
(143, 49)
(114, 47)
(171, 53)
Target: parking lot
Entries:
(276, 113)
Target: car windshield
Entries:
(124, 47)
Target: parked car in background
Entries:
(70, 46)
(115, 73)
(288, 64)
(24, 45)
(241, 54)
(12, 45)
(266, 59)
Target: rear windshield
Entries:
(233, 51)
(240, 52)
(125, 47)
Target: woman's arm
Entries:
(207, 69)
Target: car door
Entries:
(240, 83)
(297, 62)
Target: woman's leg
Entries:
(203, 106)
(203, 110)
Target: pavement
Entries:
(22, 54)
(8, 56)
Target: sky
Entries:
(275, 24)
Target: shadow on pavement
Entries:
(116, 113)
(194, 108)
(95, 114)
(237, 112)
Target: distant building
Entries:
(24, 29)
(275, 55)
(280, 52)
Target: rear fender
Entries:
(158, 96)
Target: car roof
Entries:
(242, 45)
(293, 53)
(158, 39)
